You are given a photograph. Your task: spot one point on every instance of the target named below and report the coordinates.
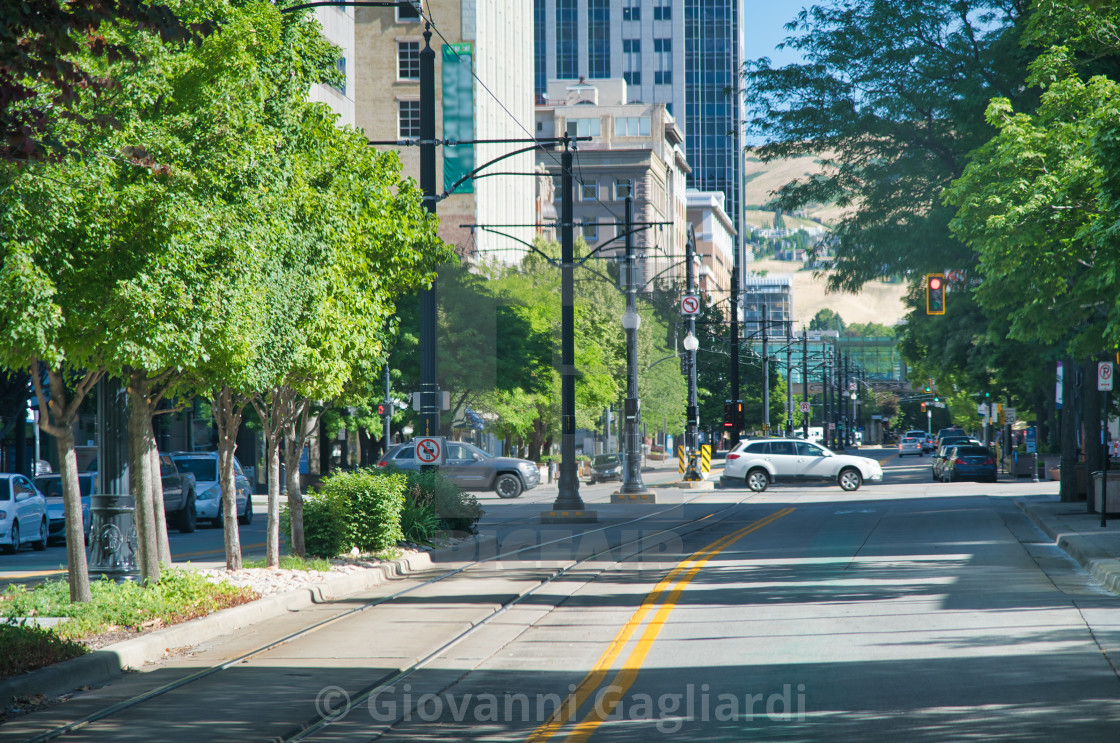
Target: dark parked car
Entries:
(605, 467)
(968, 462)
(472, 469)
(51, 487)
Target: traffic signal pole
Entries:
(429, 387)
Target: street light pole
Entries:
(805, 419)
(568, 506)
(789, 378)
(429, 388)
(631, 321)
(692, 412)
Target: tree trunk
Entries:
(140, 445)
(57, 419)
(227, 416)
(158, 508)
(292, 448)
(270, 412)
(1068, 487)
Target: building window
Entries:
(662, 10)
(590, 231)
(663, 61)
(567, 40)
(623, 187)
(408, 119)
(598, 38)
(589, 191)
(408, 60)
(340, 65)
(632, 61)
(631, 126)
(632, 10)
(407, 13)
(585, 127)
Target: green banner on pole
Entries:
(458, 115)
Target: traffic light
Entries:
(729, 414)
(383, 408)
(929, 385)
(740, 419)
(935, 294)
(923, 407)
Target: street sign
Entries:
(982, 409)
(1104, 376)
(852, 386)
(690, 304)
(806, 407)
(1031, 440)
(1009, 416)
(429, 450)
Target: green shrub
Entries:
(368, 507)
(326, 530)
(456, 509)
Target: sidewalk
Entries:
(1079, 534)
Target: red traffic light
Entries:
(935, 294)
(934, 282)
(382, 408)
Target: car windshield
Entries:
(603, 460)
(204, 469)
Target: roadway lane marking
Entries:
(689, 567)
(5, 576)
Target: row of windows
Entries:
(624, 126)
(662, 10)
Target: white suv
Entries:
(759, 462)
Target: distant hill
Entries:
(878, 302)
(760, 180)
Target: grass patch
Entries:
(293, 562)
(179, 596)
(25, 647)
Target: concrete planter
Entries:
(1110, 488)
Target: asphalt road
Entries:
(909, 610)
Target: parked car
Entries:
(23, 513)
(909, 445)
(472, 469)
(944, 432)
(967, 462)
(203, 468)
(942, 453)
(605, 467)
(51, 488)
(757, 463)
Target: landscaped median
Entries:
(127, 625)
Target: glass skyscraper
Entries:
(683, 53)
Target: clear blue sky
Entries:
(763, 24)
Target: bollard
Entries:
(112, 547)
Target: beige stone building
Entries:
(715, 244)
(635, 149)
(484, 91)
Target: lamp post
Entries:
(692, 412)
(631, 321)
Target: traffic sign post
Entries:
(1104, 376)
(429, 451)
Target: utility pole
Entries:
(765, 371)
(388, 417)
(429, 387)
(631, 321)
(736, 268)
(789, 378)
(568, 506)
(826, 383)
(805, 380)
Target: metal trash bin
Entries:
(113, 540)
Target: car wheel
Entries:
(13, 548)
(508, 486)
(850, 479)
(757, 480)
(187, 520)
(247, 518)
(40, 544)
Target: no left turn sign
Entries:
(805, 407)
(429, 450)
(690, 304)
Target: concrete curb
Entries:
(1096, 562)
(102, 666)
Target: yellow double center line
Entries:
(682, 575)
